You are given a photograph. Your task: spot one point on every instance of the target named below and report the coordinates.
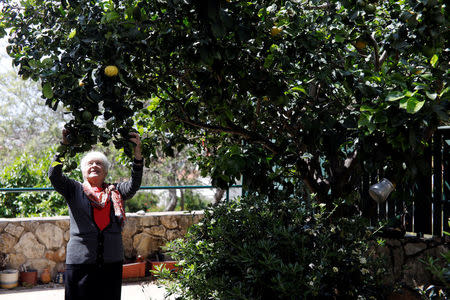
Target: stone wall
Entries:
(404, 259)
(40, 243)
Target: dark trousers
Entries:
(91, 281)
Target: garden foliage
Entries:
(260, 248)
(321, 91)
(30, 171)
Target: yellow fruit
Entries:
(265, 98)
(81, 83)
(111, 71)
(360, 44)
(275, 31)
(418, 71)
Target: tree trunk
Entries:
(172, 192)
(182, 199)
(218, 196)
(172, 200)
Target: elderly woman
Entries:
(94, 253)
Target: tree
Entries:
(27, 125)
(286, 93)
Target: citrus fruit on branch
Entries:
(111, 71)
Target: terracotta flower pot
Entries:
(28, 277)
(45, 276)
(168, 264)
(133, 270)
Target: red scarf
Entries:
(100, 199)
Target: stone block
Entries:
(63, 224)
(7, 242)
(415, 272)
(29, 246)
(170, 222)
(15, 260)
(398, 258)
(128, 247)
(414, 248)
(14, 230)
(130, 228)
(393, 243)
(56, 256)
(156, 230)
(3, 225)
(67, 235)
(145, 244)
(185, 222)
(147, 221)
(173, 234)
(30, 226)
(50, 235)
(197, 218)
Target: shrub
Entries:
(259, 248)
(31, 171)
(141, 201)
(194, 201)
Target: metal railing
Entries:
(50, 189)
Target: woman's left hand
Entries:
(137, 148)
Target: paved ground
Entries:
(130, 291)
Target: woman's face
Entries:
(95, 171)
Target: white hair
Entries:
(94, 155)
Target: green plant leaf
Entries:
(56, 163)
(431, 96)
(433, 60)
(47, 90)
(299, 89)
(414, 105)
(394, 96)
(72, 33)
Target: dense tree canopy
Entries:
(278, 91)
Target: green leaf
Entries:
(445, 91)
(47, 91)
(433, 60)
(367, 108)
(299, 89)
(403, 103)
(394, 96)
(110, 16)
(55, 163)
(339, 38)
(431, 96)
(72, 33)
(364, 120)
(414, 105)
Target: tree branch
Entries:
(235, 131)
(376, 50)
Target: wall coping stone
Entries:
(150, 214)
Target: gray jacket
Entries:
(87, 244)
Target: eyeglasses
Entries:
(96, 162)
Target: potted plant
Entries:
(163, 261)
(27, 276)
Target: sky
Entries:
(5, 60)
